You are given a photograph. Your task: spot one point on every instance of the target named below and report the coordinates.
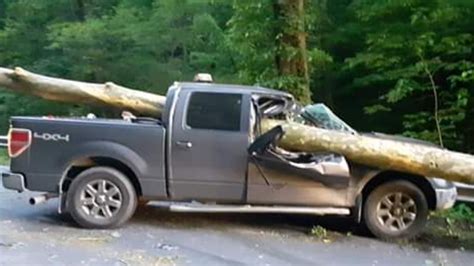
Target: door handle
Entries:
(184, 144)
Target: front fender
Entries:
(365, 179)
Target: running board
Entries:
(218, 208)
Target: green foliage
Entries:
(254, 35)
(460, 212)
(319, 232)
(143, 47)
(370, 60)
(252, 38)
(406, 43)
(141, 44)
(4, 159)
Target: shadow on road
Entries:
(296, 223)
(339, 227)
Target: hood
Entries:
(400, 139)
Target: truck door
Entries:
(208, 146)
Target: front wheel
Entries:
(101, 197)
(396, 210)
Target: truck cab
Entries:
(207, 153)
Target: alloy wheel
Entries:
(100, 199)
(396, 211)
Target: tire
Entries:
(396, 210)
(101, 198)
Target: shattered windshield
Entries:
(319, 115)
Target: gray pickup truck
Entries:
(208, 154)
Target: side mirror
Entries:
(261, 143)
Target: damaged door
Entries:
(277, 176)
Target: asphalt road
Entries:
(37, 235)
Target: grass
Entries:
(453, 228)
(461, 212)
(4, 159)
(319, 232)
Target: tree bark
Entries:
(291, 57)
(80, 10)
(62, 90)
(380, 153)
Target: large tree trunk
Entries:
(386, 154)
(80, 10)
(62, 90)
(381, 153)
(291, 57)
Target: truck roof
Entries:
(234, 88)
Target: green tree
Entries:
(418, 56)
(387, 58)
(24, 42)
(269, 39)
(143, 44)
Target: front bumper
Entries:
(446, 193)
(445, 198)
(13, 181)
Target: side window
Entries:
(218, 111)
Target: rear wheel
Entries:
(101, 197)
(396, 210)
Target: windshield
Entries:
(319, 115)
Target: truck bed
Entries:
(58, 142)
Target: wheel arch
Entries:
(103, 153)
(386, 176)
(81, 164)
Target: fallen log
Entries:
(381, 153)
(385, 154)
(63, 90)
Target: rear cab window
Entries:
(214, 111)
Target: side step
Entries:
(218, 208)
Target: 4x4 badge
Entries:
(53, 137)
